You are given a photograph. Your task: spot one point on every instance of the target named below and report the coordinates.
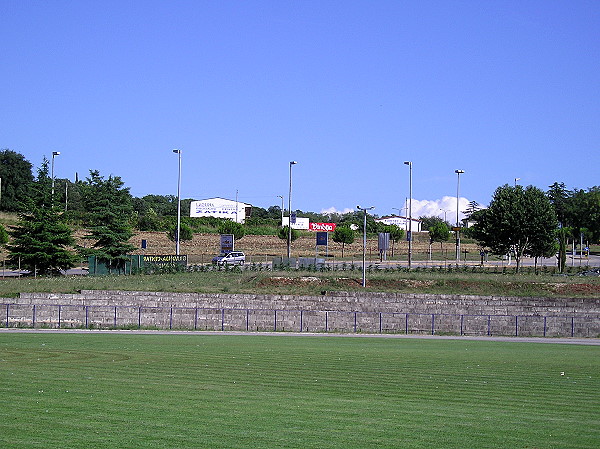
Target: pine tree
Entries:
(41, 237)
(109, 208)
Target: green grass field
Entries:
(225, 391)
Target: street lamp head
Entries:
(55, 153)
(458, 172)
(177, 151)
(293, 162)
(409, 163)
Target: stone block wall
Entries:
(332, 312)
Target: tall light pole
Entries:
(281, 196)
(289, 241)
(445, 215)
(517, 180)
(177, 239)
(54, 154)
(458, 173)
(364, 265)
(409, 163)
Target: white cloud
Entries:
(444, 208)
(333, 210)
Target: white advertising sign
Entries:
(301, 223)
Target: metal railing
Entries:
(248, 319)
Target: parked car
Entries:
(231, 258)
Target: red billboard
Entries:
(327, 227)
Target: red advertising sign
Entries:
(327, 227)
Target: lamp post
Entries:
(458, 173)
(364, 264)
(409, 163)
(178, 152)
(517, 180)
(289, 241)
(54, 154)
(281, 196)
(445, 215)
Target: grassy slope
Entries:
(307, 283)
(145, 391)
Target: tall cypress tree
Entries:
(41, 238)
(109, 208)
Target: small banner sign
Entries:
(327, 227)
(167, 259)
(227, 243)
(322, 238)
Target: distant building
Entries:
(221, 208)
(401, 222)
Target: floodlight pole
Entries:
(281, 196)
(409, 163)
(289, 240)
(54, 154)
(458, 173)
(364, 264)
(177, 239)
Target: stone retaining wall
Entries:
(331, 312)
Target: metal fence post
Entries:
(544, 326)
(33, 317)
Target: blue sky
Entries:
(349, 89)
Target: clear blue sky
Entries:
(349, 89)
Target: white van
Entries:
(231, 258)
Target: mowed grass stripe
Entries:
(227, 391)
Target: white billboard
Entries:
(219, 208)
(301, 223)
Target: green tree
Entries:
(17, 180)
(185, 233)
(108, 206)
(343, 235)
(438, 232)
(396, 234)
(428, 221)
(3, 235)
(559, 198)
(41, 238)
(283, 233)
(520, 221)
(231, 227)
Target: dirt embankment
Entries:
(204, 246)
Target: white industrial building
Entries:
(221, 208)
(401, 222)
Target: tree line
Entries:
(523, 221)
